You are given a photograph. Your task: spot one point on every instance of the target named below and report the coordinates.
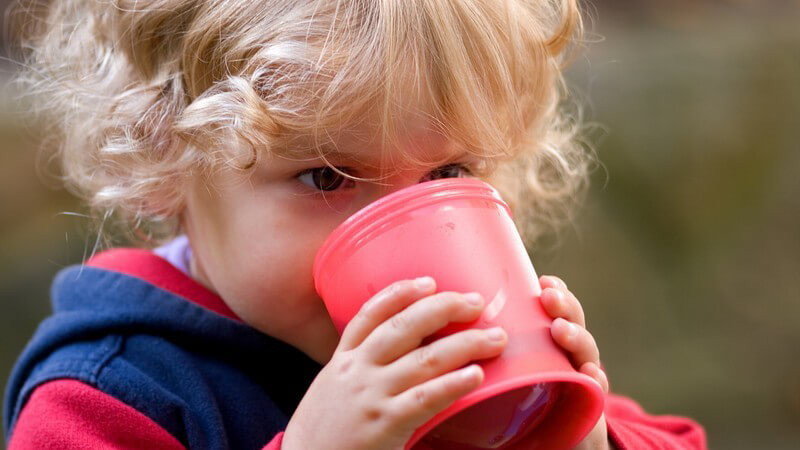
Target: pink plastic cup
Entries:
(460, 232)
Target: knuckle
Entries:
(344, 363)
(450, 301)
(379, 340)
(365, 313)
(422, 397)
(399, 322)
(359, 388)
(395, 289)
(445, 306)
(427, 358)
(453, 303)
(442, 306)
(403, 286)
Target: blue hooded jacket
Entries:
(211, 381)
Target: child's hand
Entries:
(380, 385)
(569, 331)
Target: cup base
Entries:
(572, 410)
(496, 423)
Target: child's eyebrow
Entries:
(301, 150)
(309, 154)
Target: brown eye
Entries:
(322, 178)
(447, 171)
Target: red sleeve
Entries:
(274, 444)
(630, 427)
(68, 414)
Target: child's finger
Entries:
(405, 330)
(383, 305)
(417, 405)
(560, 303)
(444, 355)
(594, 371)
(576, 340)
(552, 281)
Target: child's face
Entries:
(254, 237)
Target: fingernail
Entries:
(473, 298)
(424, 283)
(572, 330)
(496, 334)
(470, 372)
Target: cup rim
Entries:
(587, 384)
(390, 205)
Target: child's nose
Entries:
(376, 190)
(398, 182)
(388, 185)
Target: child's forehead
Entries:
(402, 94)
(415, 138)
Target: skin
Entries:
(254, 239)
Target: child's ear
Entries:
(165, 205)
(180, 218)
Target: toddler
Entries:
(237, 134)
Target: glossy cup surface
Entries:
(460, 232)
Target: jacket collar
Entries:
(147, 266)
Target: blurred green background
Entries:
(686, 254)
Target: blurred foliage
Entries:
(686, 255)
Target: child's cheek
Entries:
(340, 202)
(327, 210)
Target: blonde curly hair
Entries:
(142, 95)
